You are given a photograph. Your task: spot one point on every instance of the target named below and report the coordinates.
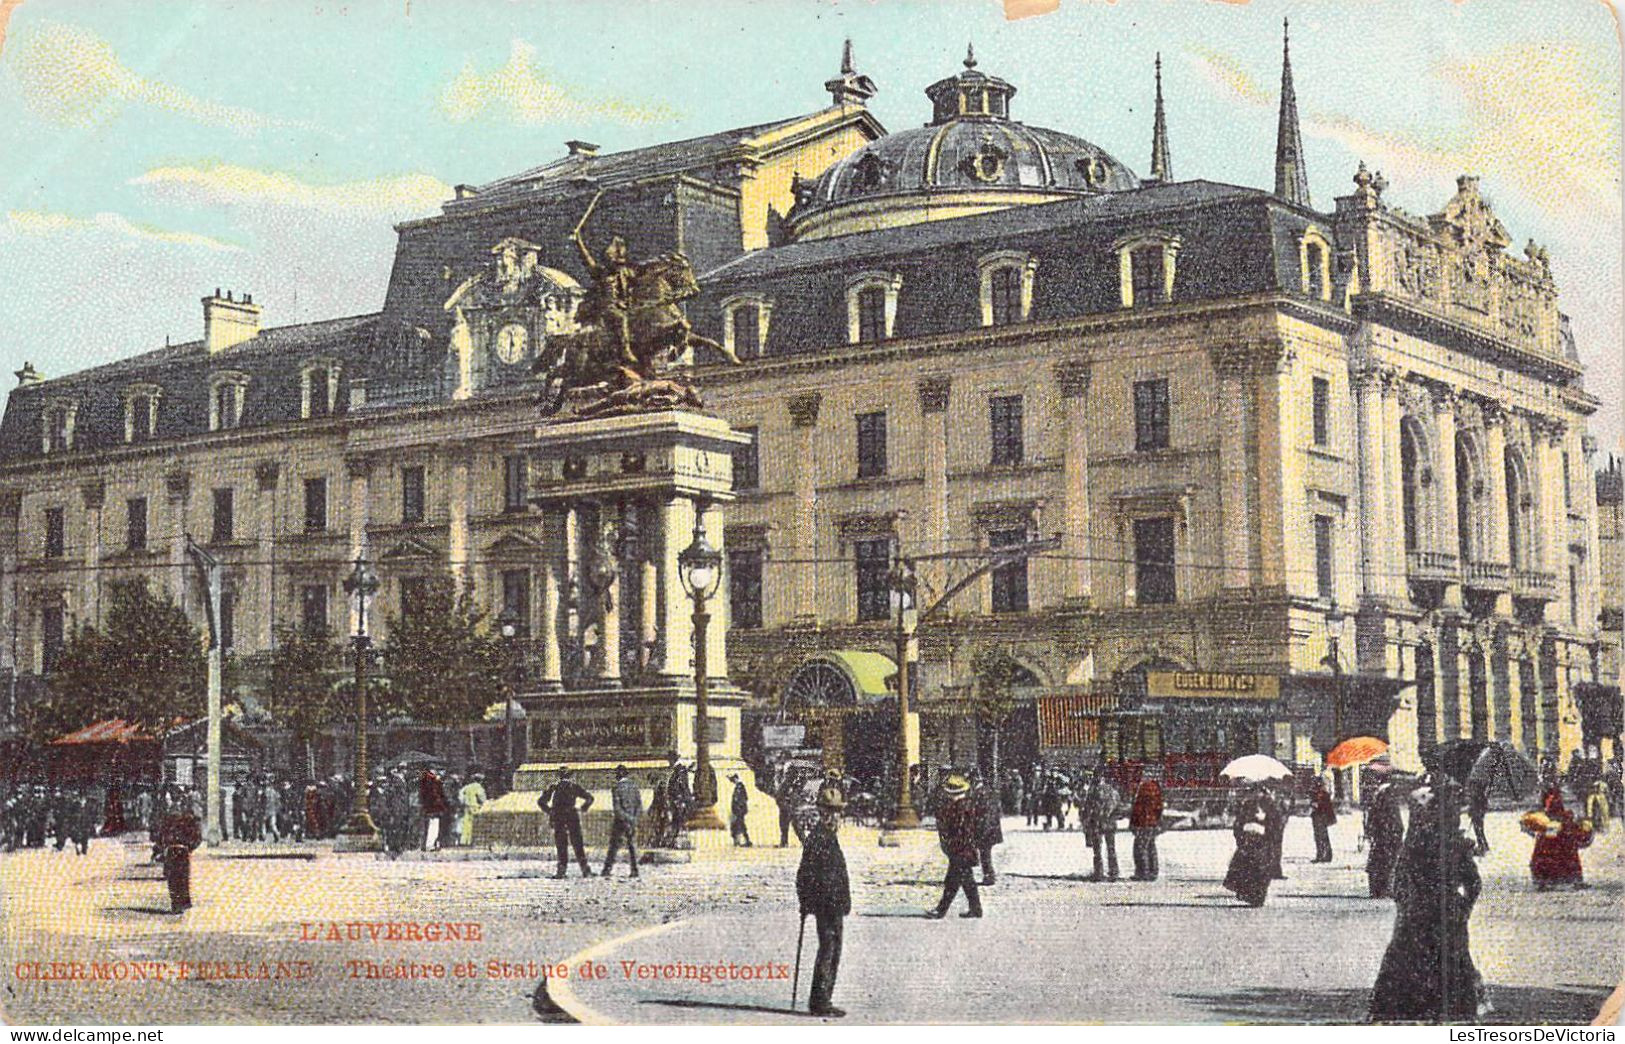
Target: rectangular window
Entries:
(747, 462)
(321, 394)
(515, 480)
(313, 608)
(747, 329)
(1151, 428)
(315, 505)
(55, 536)
(414, 590)
(1154, 561)
(51, 637)
(873, 559)
(228, 619)
(412, 494)
(1325, 562)
(1146, 264)
(1321, 404)
(871, 444)
(1004, 421)
(745, 587)
(1574, 593)
(1314, 259)
(135, 524)
(57, 426)
(516, 599)
(1009, 581)
(222, 531)
(872, 314)
(225, 405)
(141, 418)
(1005, 287)
(1568, 488)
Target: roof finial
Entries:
(846, 58)
(1291, 181)
(849, 87)
(970, 56)
(1162, 168)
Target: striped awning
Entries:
(115, 730)
(1073, 720)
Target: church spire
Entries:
(850, 86)
(1162, 168)
(1291, 181)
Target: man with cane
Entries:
(824, 892)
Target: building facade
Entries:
(1221, 471)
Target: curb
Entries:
(563, 994)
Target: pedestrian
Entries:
(784, 797)
(956, 833)
(1597, 806)
(1251, 866)
(1322, 816)
(1555, 862)
(431, 806)
(472, 799)
(1478, 805)
(824, 891)
(1145, 819)
(1275, 817)
(1101, 804)
(626, 801)
(177, 837)
(1427, 972)
(738, 807)
(560, 802)
(1385, 834)
(989, 827)
(659, 812)
(678, 796)
(82, 825)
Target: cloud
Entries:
(526, 94)
(42, 223)
(73, 77)
(229, 185)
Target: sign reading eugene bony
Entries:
(1171, 379)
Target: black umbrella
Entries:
(1502, 764)
(1455, 759)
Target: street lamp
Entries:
(359, 833)
(901, 581)
(699, 565)
(1334, 661)
(509, 623)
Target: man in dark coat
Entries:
(179, 834)
(627, 801)
(989, 829)
(738, 808)
(659, 811)
(823, 890)
(432, 806)
(1100, 805)
(1384, 832)
(1145, 819)
(785, 796)
(1478, 806)
(1322, 816)
(560, 802)
(957, 826)
(679, 798)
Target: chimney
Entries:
(581, 148)
(228, 322)
(28, 375)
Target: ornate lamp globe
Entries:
(362, 584)
(699, 565)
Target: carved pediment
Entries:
(410, 550)
(1469, 219)
(515, 545)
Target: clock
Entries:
(511, 341)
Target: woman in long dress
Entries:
(1427, 973)
(1555, 862)
(1385, 833)
(1251, 867)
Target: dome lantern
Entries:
(969, 95)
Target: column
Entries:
(1395, 565)
(178, 489)
(1554, 523)
(1444, 477)
(1450, 684)
(1514, 691)
(609, 630)
(1280, 502)
(457, 530)
(263, 572)
(571, 585)
(1375, 514)
(1495, 437)
(552, 564)
(1591, 573)
(648, 582)
(804, 419)
(677, 622)
(95, 495)
(934, 392)
(1231, 364)
(359, 470)
(1072, 377)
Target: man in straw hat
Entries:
(956, 831)
(823, 890)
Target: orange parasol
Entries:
(1356, 751)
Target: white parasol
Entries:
(1255, 768)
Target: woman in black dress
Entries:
(1252, 867)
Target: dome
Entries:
(972, 157)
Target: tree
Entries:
(304, 665)
(147, 667)
(993, 698)
(444, 662)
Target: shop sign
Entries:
(1211, 685)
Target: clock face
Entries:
(511, 341)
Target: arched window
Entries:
(1315, 265)
(745, 325)
(319, 388)
(226, 392)
(1469, 491)
(1146, 268)
(140, 412)
(1520, 512)
(871, 306)
(1409, 473)
(1006, 280)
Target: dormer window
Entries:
(1006, 280)
(1146, 265)
(745, 325)
(1315, 265)
(56, 426)
(319, 389)
(226, 393)
(871, 306)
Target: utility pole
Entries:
(208, 568)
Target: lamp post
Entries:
(699, 565)
(359, 833)
(901, 581)
(1334, 660)
(509, 623)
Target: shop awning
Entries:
(115, 730)
(840, 678)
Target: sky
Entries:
(153, 151)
